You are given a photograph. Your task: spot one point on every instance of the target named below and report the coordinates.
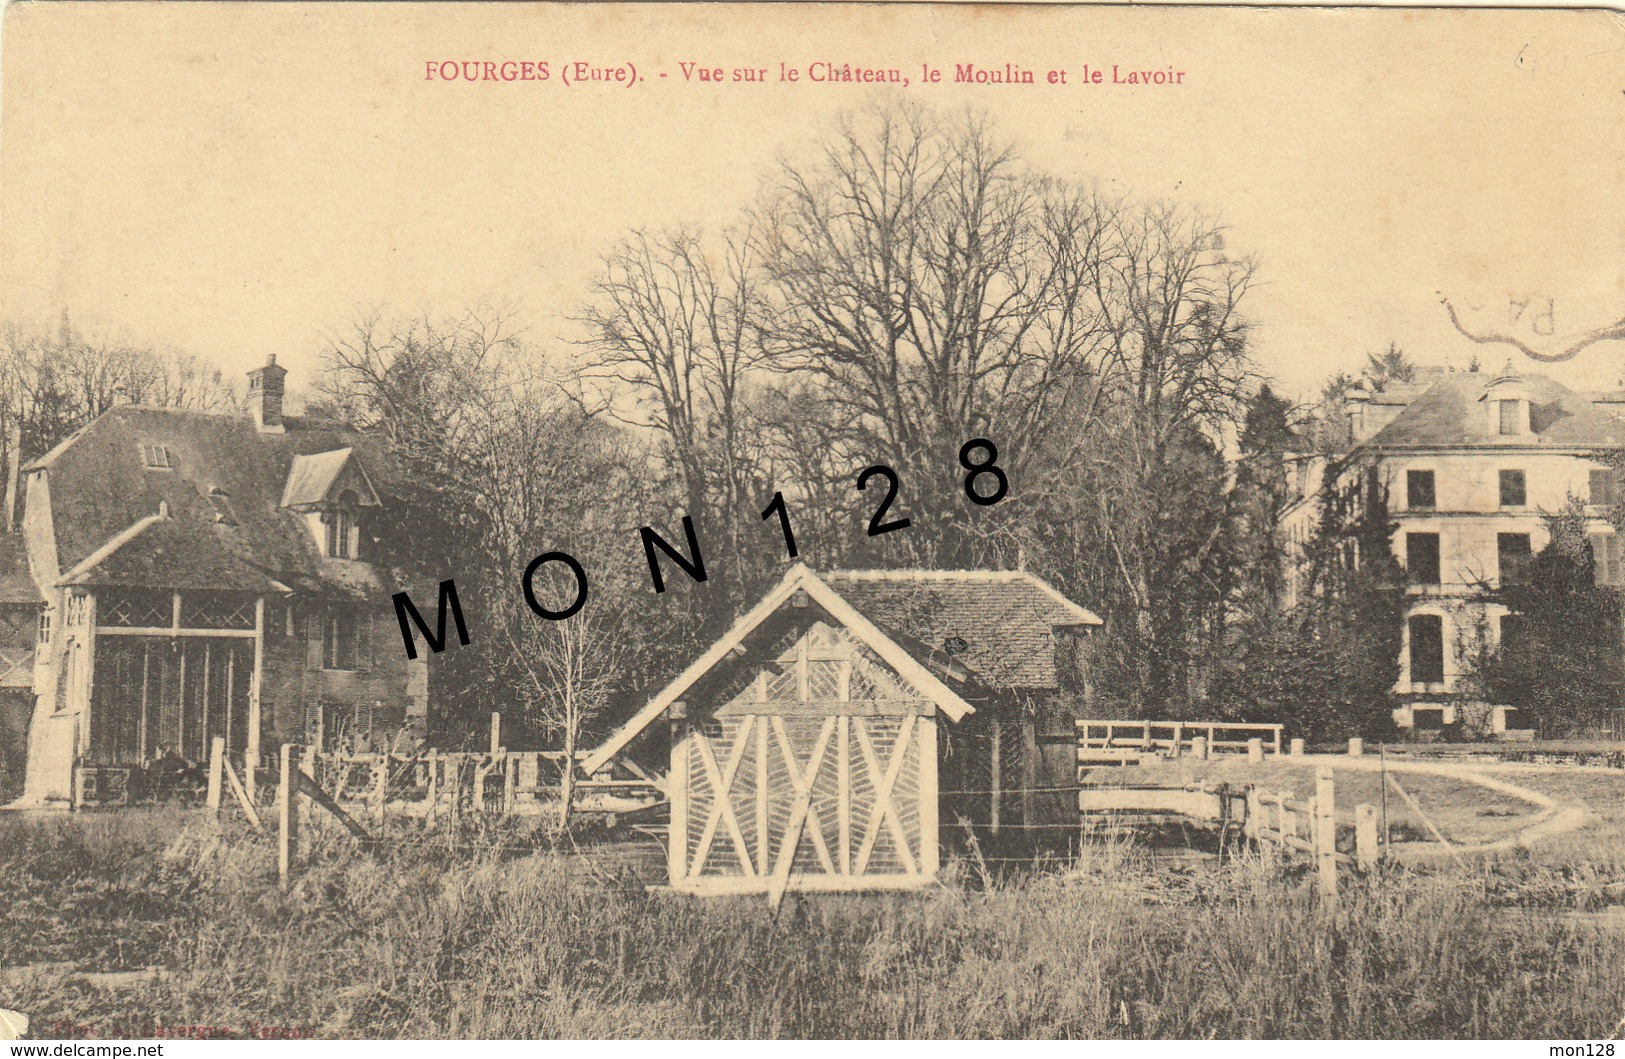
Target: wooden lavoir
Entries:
(806, 746)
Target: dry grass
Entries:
(490, 940)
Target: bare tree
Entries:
(938, 290)
(676, 321)
(53, 382)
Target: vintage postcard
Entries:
(808, 521)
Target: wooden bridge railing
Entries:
(1176, 738)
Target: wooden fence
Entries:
(1115, 740)
(364, 789)
(1310, 828)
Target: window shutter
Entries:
(363, 639)
(313, 639)
(1602, 486)
(1599, 558)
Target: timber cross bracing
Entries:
(804, 744)
(837, 802)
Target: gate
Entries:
(810, 800)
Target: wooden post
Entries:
(926, 744)
(287, 813)
(1255, 749)
(380, 790)
(1179, 741)
(1287, 820)
(1199, 748)
(843, 793)
(242, 796)
(217, 754)
(432, 797)
(496, 732)
(764, 860)
(1366, 853)
(510, 783)
(1326, 834)
(1297, 748)
(251, 751)
(1356, 746)
(677, 836)
(995, 786)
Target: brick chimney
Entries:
(265, 388)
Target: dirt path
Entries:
(1553, 818)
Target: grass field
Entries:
(128, 923)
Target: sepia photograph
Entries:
(707, 521)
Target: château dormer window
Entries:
(1506, 398)
(1511, 417)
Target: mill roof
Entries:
(998, 624)
(1004, 622)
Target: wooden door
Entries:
(812, 799)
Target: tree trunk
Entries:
(567, 776)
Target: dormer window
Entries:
(1511, 418)
(330, 490)
(343, 527)
(1506, 398)
(155, 457)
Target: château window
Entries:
(1511, 421)
(1513, 551)
(1419, 490)
(1422, 558)
(1607, 559)
(1427, 649)
(341, 640)
(1514, 489)
(1511, 631)
(346, 726)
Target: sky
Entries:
(234, 180)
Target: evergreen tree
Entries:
(1560, 660)
(1326, 666)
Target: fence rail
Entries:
(1174, 738)
(1310, 827)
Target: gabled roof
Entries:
(1450, 413)
(100, 488)
(899, 615)
(1002, 618)
(798, 579)
(158, 550)
(311, 478)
